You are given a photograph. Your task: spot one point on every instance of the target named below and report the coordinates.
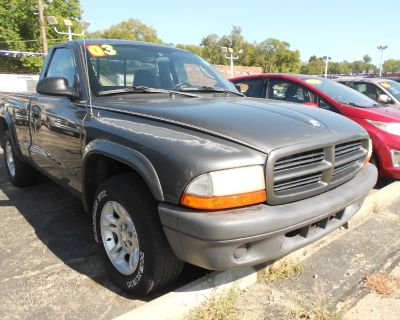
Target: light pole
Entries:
(231, 57)
(381, 48)
(326, 59)
(53, 22)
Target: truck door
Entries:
(56, 124)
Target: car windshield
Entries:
(393, 87)
(341, 93)
(114, 66)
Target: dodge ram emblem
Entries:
(314, 123)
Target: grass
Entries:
(382, 283)
(218, 307)
(316, 313)
(283, 269)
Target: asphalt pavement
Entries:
(49, 264)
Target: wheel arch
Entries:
(7, 124)
(103, 159)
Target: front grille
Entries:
(299, 160)
(349, 157)
(300, 174)
(297, 182)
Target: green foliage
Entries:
(191, 47)
(391, 66)
(275, 56)
(131, 29)
(20, 31)
(316, 66)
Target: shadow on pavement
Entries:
(61, 224)
(383, 182)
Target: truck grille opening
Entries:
(299, 182)
(299, 160)
(306, 173)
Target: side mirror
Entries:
(311, 104)
(383, 98)
(57, 86)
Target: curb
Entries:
(177, 304)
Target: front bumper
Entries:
(249, 236)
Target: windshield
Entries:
(115, 66)
(341, 93)
(393, 87)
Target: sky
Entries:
(340, 29)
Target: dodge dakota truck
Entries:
(175, 165)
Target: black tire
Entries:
(20, 173)
(157, 264)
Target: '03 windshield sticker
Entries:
(313, 81)
(101, 50)
(385, 85)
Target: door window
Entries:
(323, 104)
(368, 89)
(251, 87)
(62, 65)
(289, 91)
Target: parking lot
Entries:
(49, 264)
(48, 259)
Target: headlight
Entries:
(226, 189)
(395, 158)
(389, 127)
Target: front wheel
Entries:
(130, 238)
(20, 173)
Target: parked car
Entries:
(175, 165)
(384, 91)
(382, 123)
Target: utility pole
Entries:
(42, 26)
(381, 48)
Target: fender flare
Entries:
(128, 156)
(11, 128)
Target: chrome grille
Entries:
(300, 173)
(299, 160)
(298, 182)
(349, 157)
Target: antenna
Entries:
(87, 77)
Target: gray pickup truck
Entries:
(177, 166)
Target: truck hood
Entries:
(263, 125)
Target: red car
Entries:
(382, 123)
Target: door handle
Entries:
(36, 112)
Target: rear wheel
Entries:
(20, 173)
(130, 238)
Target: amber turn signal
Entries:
(224, 202)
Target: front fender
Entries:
(6, 118)
(128, 156)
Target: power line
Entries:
(30, 40)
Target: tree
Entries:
(19, 25)
(315, 66)
(131, 29)
(367, 59)
(275, 56)
(191, 47)
(391, 66)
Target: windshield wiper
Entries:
(210, 89)
(144, 89)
